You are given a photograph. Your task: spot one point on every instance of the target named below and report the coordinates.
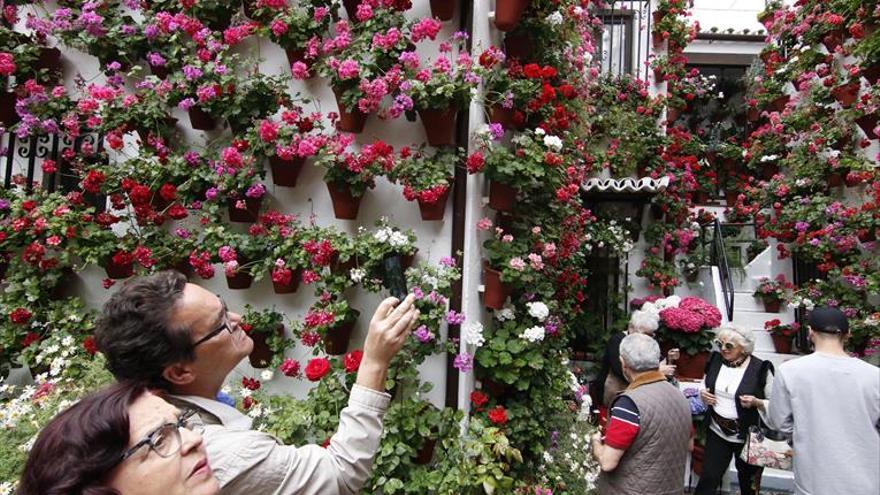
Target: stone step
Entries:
(755, 319)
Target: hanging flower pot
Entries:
(702, 198)
(769, 170)
(443, 9)
(672, 114)
(336, 340)
(495, 292)
(290, 287)
(781, 343)
(426, 451)
(657, 40)
(772, 305)
(519, 46)
(436, 210)
(201, 120)
(118, 271)
(508, 13)
(8, 116)
(846, 94)
(50, 60)
(248, 214)
(285, 172)
(501, 196)
(835, 179)
(872, 74)
(833, 39)
(657, 16)
(439, 125)
(298, 55)
(867, 235)
(351, 7)
(779, 103)
(241, 279)
(753, 114)
(691, 366)
(868, 123)
(345, 204)
(501, 115)
(262, 354)
(349, 120)
(730, 198)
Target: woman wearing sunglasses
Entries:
(120, 440)
(735, 389)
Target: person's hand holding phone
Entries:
(390, 326)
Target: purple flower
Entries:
(211, 194)
(448, 261)
(418, 293)
(464, 362)
(497, 131)
(256, 191)
(802, 226)
(191, 72)
(4, 204)
(423, 334)
(192, 158)
(113, 66)
(454, 318)
(186, 103)
(151, 31)
(155, 59)
(182, 233)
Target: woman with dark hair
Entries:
(123, 439)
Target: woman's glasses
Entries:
(165, 440)
(727, 346)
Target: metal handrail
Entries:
(718, 257)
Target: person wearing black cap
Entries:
(830, 402)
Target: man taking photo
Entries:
(181, 338)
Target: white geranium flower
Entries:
(357, 274)
(555, 18)
(769, 158)
(382, 235)
(505, 314)
(473, 334)
(553, 142)
(266, 375)
(538, 310)
(533, 334)
(539, 132)
(398, 239)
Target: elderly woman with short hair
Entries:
(735, 388)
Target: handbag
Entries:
(761, 450)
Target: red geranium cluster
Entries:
(316, 319)
(479, 399)
(290, 367)
(20, 316)
(250, 383)
(322, 252)
(498, 415)
(352, 360)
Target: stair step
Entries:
(755, 319)
(745, 301)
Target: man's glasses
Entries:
(165, 440)
(727, 346)
(224, 325)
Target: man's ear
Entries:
(179, 374)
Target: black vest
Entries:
(752, 383)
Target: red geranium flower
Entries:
(19, 316)
(352, 360)
(498, 415)
(479, 399)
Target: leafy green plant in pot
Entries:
(374, 246)
(426, 177)
(689, 326)
(242, 254)
(772, 292)
(328, 325)
(287, 143)
(349, 174)
(298, 29)
(782, 334)
(266, 329)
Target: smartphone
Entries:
(395, 281)
(672, 356)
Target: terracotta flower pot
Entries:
(781, 343)
(495, 292)
(846, 94)
(345, 204)
(349, 121)
(501, 115)
(769, 170)
(697, 460)
(285, 172)
(439, 125)
(161, 72)
(116, 271)
(501, 196)
(835, 179)
(730, 198)
(262, 354)
(753, 114)
(494, 389)
(201, 120)
(50, 60)
(867, 235)
(249, 214)
(351, 7)
(702, 198)
(290, 287)
(426, 451)
(443, 9)
(867, 123)
(772, 305)
(336, 340)
(8, 116)
(436, 210)
(657, 40)
(872, 74)
(779, 103)
(519, 46)
(672, 114)
(691, 366)
(834, 39)
(242, 279)
(508, 13)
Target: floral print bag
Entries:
(760, 450)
